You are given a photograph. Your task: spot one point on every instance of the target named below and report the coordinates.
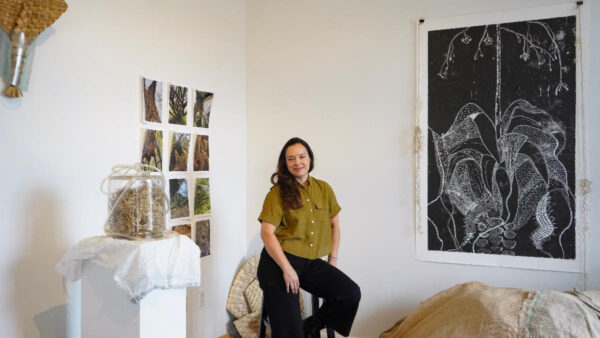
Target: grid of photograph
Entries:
(179, 147)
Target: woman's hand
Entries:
(332, 260)
(292, 283)
(290, 277)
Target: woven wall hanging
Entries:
(23, 21)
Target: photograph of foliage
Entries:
(202, 106)
(152, 149)
(203, 237)
(501, 139)
(178, 100)
(178, 193)
(184, 229)
(202, 197)
(180, 147)
(201, 153)
(152, 100)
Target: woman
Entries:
(299, 225)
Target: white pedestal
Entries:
(106, 311)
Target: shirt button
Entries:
(307, 200)
(310, 210)
(310, 245)
(312, 233)
(313, 221)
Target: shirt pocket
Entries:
(321, 213)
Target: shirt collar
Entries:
(309, 182)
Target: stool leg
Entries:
(315, 307)
(262, 331)
(315, 304)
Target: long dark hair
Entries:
(288, 185)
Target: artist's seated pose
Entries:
(299, 225)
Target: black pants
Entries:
(341, 295)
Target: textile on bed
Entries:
(549, 313)
(479, 310)
(472, 309)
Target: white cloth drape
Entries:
(139, 266)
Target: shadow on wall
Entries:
(384, 318)
(38, 287)
(52, 323)
(256, 244)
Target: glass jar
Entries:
(136, 206)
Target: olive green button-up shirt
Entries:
(304, 232)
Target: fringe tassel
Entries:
(13, 91)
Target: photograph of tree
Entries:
(180, 147)
(177, 134)
(178, 100)
(203, 237)
(152, 100)
(202, 197)
(202, 106)
(501, 139)
(201, 153)
(184, 229)
(178, 193)
(152, 149)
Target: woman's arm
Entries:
(267, 233)
(335, 240)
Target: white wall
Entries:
(341, 74)
(80, 117)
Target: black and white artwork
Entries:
(501, 139)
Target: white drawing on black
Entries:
(502, 186)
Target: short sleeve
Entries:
(334, 207)
(272, 211)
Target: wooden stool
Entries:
(264, 322)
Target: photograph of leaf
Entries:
(201, 153)
(202, 106)
(203, 237)
(183, 229)
(180, 147)
(178, 192)
(202, 197)
(152, 100)
(152, 149)
(178, 105)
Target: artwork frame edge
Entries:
(579, 264)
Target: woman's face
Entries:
(297, 161)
